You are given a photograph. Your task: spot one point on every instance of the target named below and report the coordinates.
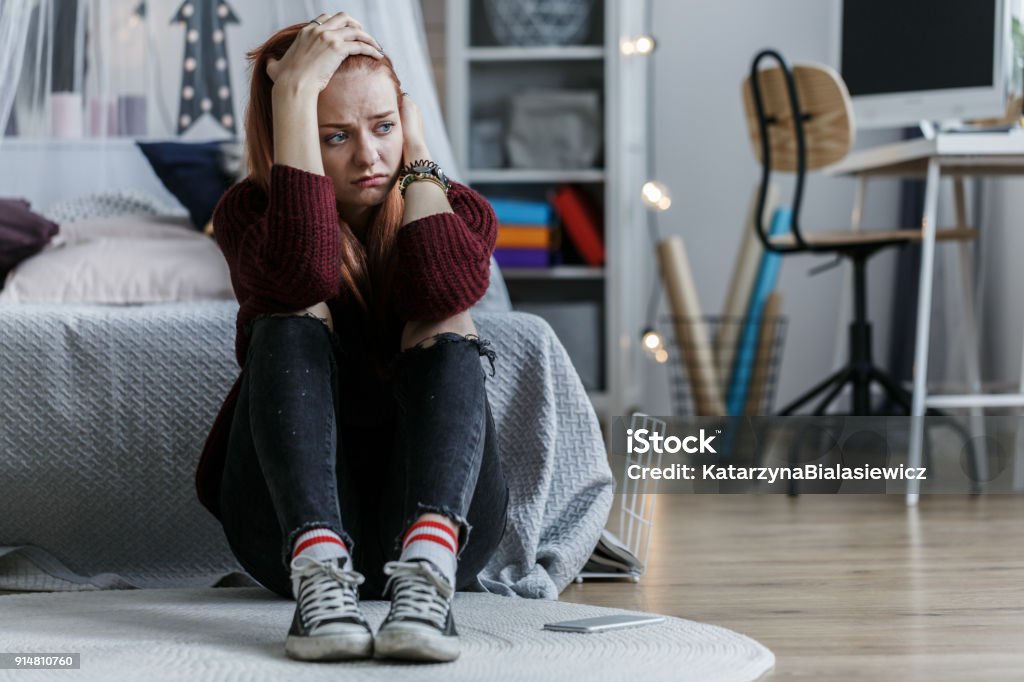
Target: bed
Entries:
(107, 407)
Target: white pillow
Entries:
(128, 259)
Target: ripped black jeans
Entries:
(300, 456)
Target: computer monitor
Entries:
(906, 61)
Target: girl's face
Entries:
(360, 138)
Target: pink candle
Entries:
(66, 115)
(102, 117)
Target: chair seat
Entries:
(842, 238)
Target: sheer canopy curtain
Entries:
(15, 17)
(81, 80)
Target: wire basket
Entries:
(636, 510)
(636, 515)
(539, 22)
(743, 358)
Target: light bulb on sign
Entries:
(656, 195)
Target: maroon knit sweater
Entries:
(283, 250)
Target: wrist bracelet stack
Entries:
(423, 169)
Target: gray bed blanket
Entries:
(105, 411)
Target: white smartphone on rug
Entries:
(603, 623)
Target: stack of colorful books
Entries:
(582, 222)
(525, 236)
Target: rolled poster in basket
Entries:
(691, 331)
(763, 361)
(767, 276)
(741, 286)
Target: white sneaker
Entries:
(419, 626)
(328, 624)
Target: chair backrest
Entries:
(825, 104)
(798, 119)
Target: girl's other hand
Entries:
(414, 144)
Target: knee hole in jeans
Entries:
(319, 311)
(483, 346)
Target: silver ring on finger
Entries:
(315, 21)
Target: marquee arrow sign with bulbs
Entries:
(205, 78)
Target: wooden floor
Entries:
(841, 586)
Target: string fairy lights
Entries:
(655, 194)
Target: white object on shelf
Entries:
(554, 129)
(526, 22)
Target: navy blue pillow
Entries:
(192, 172)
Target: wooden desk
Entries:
(954, 155)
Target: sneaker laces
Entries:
(326, 590)
(417, 591)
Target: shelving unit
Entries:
(483, 76)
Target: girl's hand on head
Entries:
(414, 142)
(319, 50)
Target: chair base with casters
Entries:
(860, 372)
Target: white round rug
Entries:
(238, 634)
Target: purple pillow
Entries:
(22, 233)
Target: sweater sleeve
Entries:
(282, 246)
(444, 259)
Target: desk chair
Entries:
(800, 119)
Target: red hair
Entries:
(366, 271)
